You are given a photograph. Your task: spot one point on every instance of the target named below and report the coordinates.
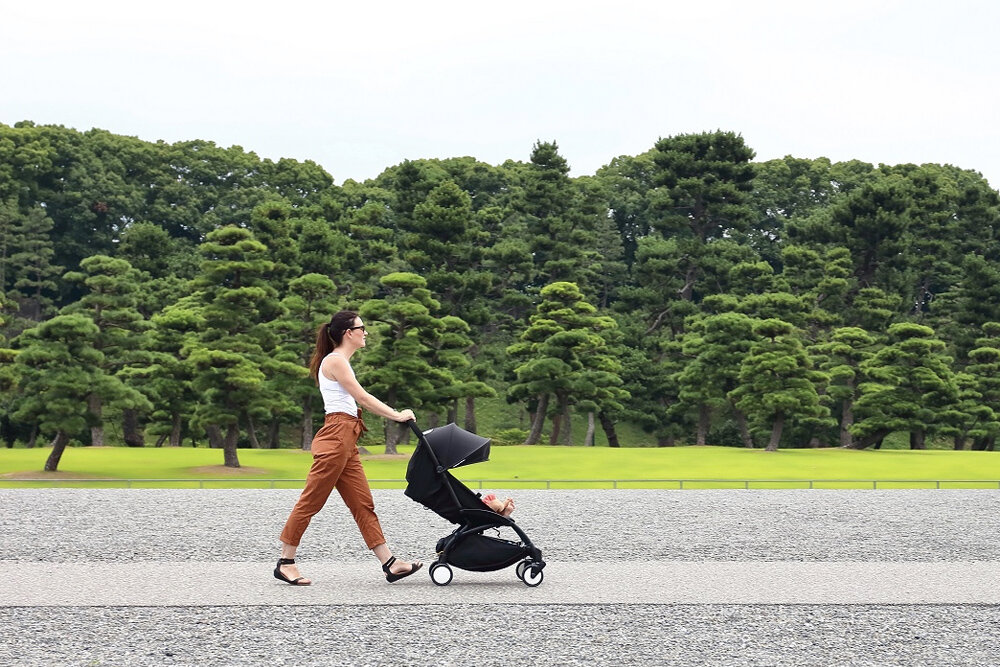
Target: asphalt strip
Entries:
(206, 583)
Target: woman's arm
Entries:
(336, 368)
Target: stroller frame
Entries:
(472, 524)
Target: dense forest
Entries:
(173, 291)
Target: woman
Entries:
(336, 462)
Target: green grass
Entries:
(530, 467)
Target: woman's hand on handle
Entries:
(404, 416)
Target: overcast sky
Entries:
(361, 86)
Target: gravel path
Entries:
(74, 525)
(232, 525)
(502, 636)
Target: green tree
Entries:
(911, 386)
(775, 385)
(703, 182)
(561, 346)
(984, 372)
(110, 302)
(60, 368)
(28, 266)
(233, 355)
(715, 347)
(310, 300)
(842, 358)
(396, 365)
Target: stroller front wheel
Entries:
(441, 574)
(532, 575)
(521, 567)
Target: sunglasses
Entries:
(362, 327)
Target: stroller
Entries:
(429, 483)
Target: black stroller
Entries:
(429, 483)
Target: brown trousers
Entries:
(336, 463)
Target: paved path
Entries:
(157, 584)
(159, 577)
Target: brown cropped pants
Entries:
(336, 463)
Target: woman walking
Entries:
(336, 463)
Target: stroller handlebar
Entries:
(413, 427)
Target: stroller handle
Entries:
(413, 427)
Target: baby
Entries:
(502, 507)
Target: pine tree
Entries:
(110, 302)
(842, 357)
(61, 368)
(775, 381)
(233, 357)
(396, 367)
(911, 386)
(560, 347)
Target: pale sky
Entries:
(361, 86)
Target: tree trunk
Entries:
(214, 436)
(536, 425)
(814, 442)
(556, 425)
(175, 429)
(917, 439)
(846, 421)
(609, 429)
(666, 441)
(162, 439)
(779, 423)
(741, 422)
(274, 434)
(431, 420)
(959, 442)
(94, 406)
(8, 431)
(704, 418)
(229, 456)
(58, 446)
(393, 436)
(252, 432)
(868, 440)
(33, 437)
(567, 423)
(588, 439)
(131, 432)
(307, 424)
(470, 414)
(452, 412)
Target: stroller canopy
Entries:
(428, 480)
(454, 446)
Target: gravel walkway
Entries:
(73, 525)
(231, 525)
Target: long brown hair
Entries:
(328, 336)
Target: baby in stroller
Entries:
(503, 507)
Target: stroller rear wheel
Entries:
(441, 574)
(521, 567)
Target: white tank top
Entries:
(335, 397)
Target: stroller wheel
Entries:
(532, 575)
(521, 567)
(441, 574)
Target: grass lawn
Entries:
(527, 467)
